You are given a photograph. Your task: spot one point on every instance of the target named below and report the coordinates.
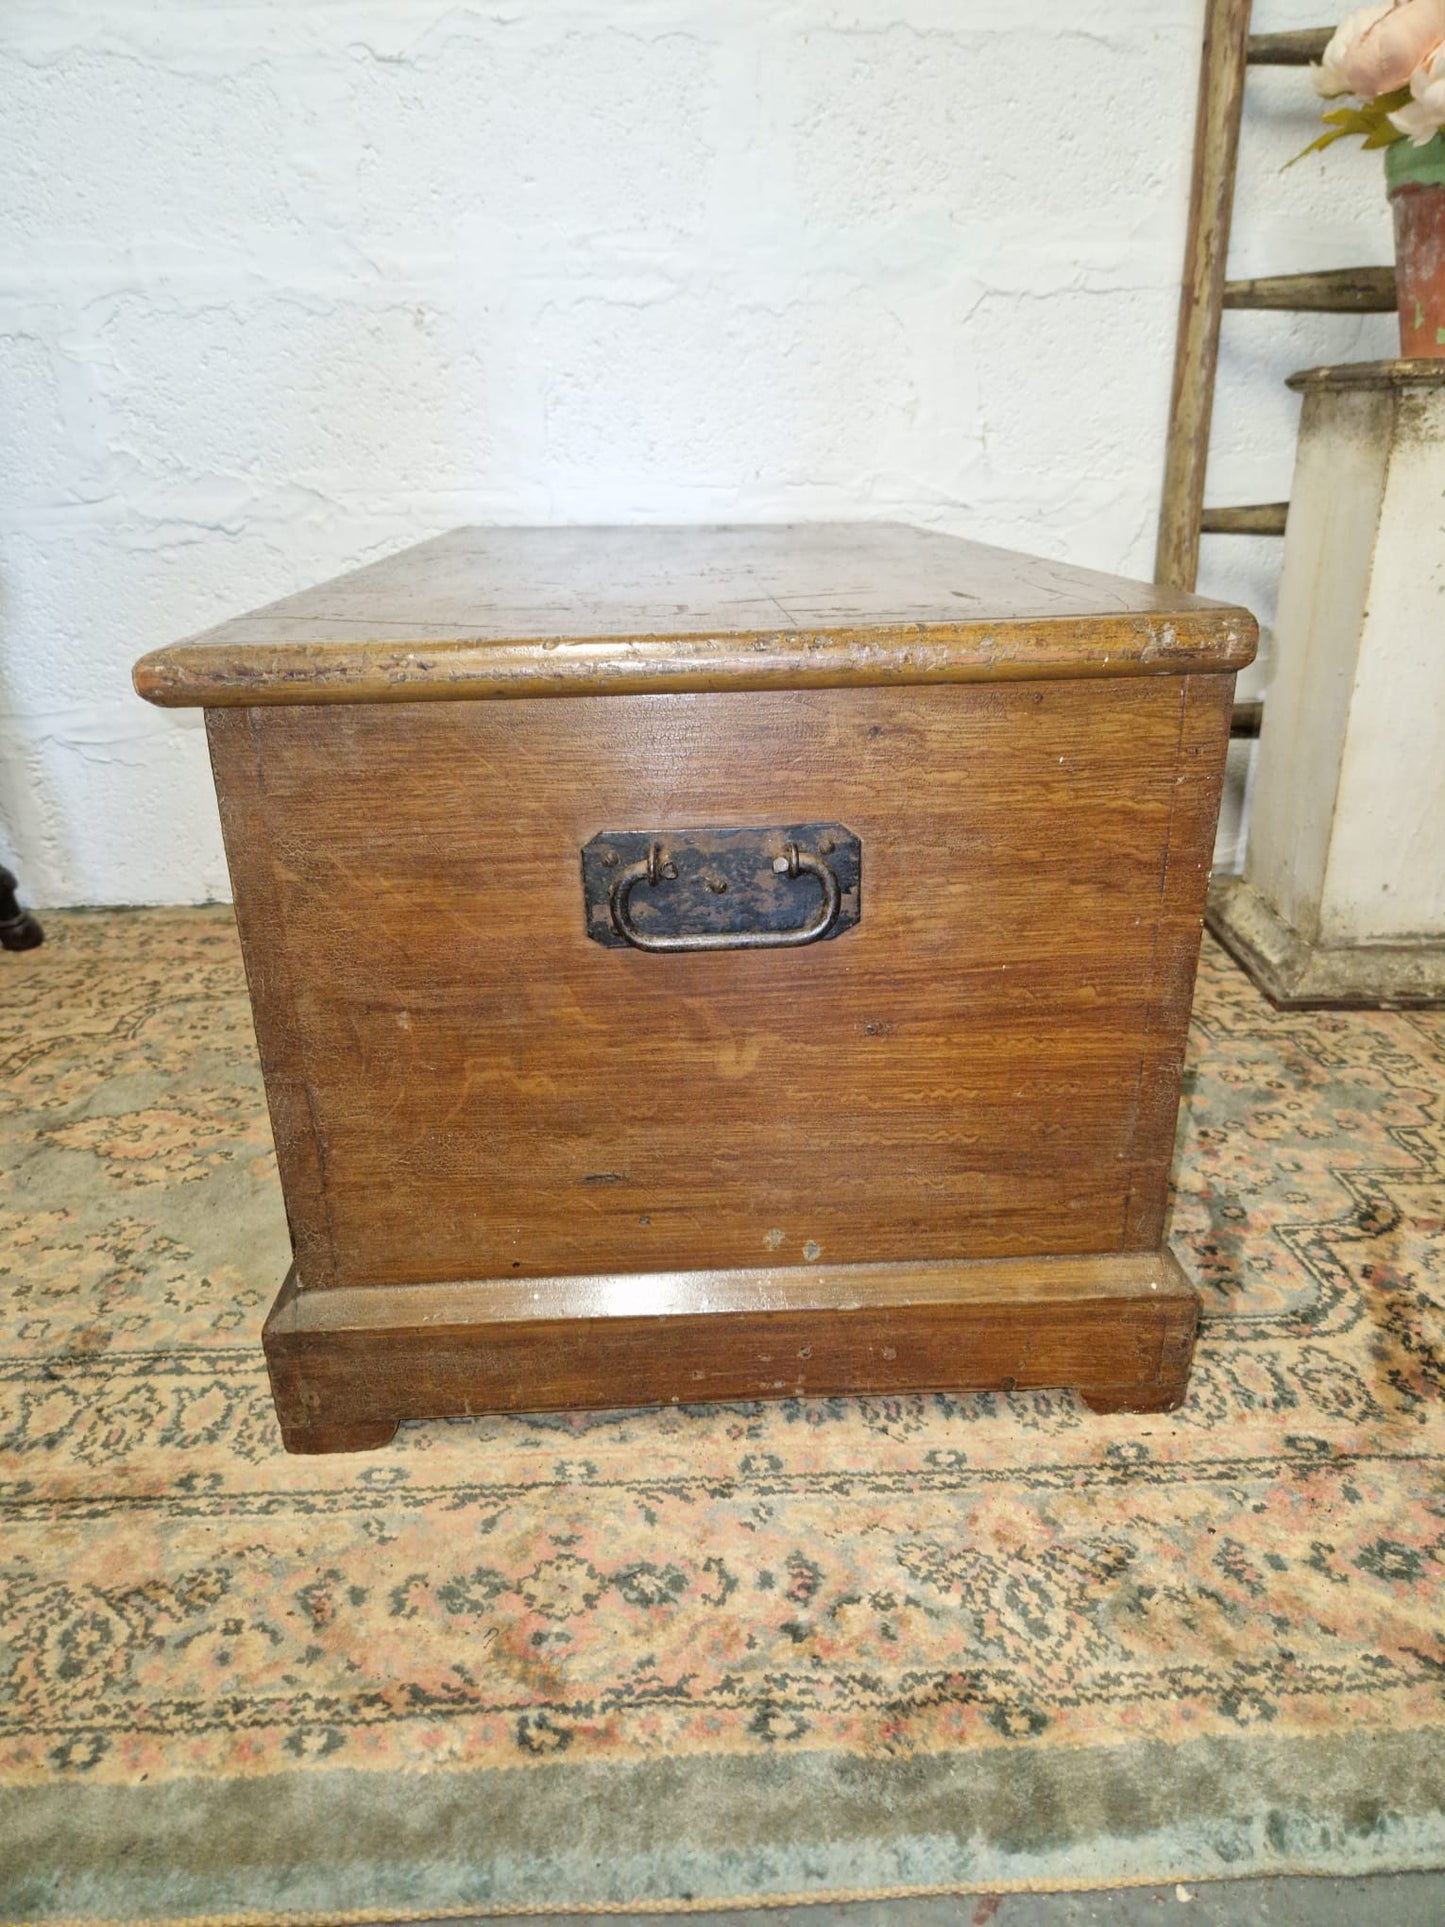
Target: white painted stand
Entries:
(1342, 900)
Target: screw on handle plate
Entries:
(657, 867)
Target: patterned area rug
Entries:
(692, 1656)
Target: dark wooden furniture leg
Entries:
(18, 929)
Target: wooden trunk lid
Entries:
(489, 612)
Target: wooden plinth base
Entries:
(1298, 975)
(348, 1365)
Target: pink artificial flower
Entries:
(1423, 118)
(1328, 79)
(1377, 49)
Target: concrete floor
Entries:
(1383, 1900)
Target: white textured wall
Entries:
(284, 286)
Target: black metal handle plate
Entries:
(722, 889)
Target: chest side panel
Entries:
(465, 1086)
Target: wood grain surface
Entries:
(346, 1365)
(463, 1086)
(1205, 716)
(520, 613)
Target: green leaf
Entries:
(1317, 146)
(1371, 122)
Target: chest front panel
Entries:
(984, 1064)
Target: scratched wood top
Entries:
(515, 612)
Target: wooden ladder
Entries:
(1229, 50)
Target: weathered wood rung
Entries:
(1298, 49)
(1229, 50)
(1258, 518)
(1245, 719)
(1330, 291)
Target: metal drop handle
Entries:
(656, 868)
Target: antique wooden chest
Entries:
(717, 963)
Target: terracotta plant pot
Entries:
(1415, 181)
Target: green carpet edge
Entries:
(719, 1830)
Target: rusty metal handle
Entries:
(656, 868)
